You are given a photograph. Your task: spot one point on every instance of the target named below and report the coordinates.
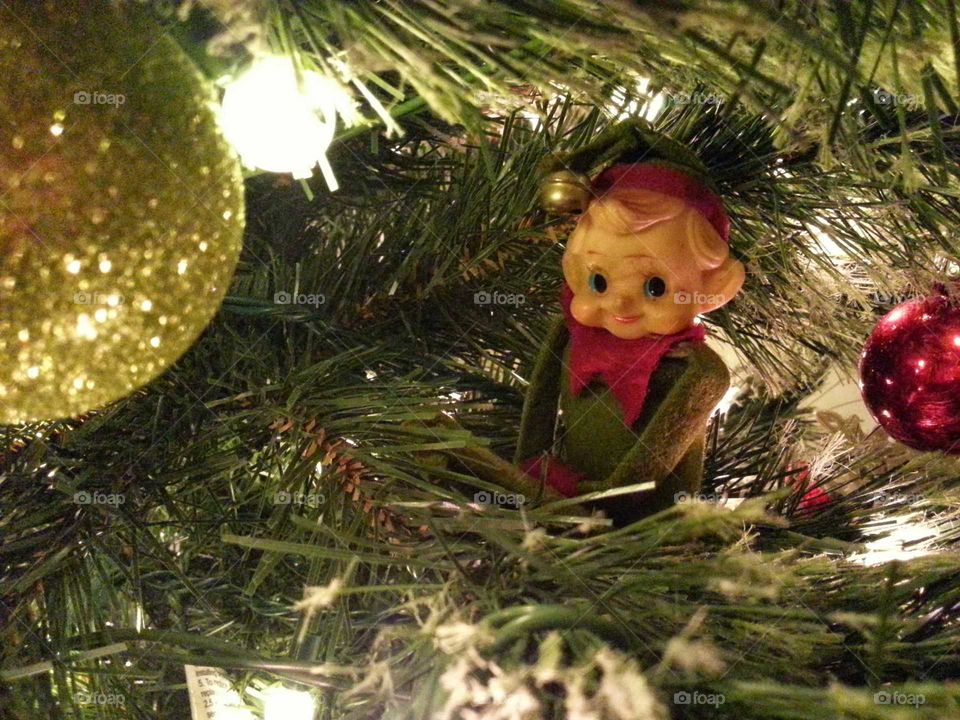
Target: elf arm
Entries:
(676, 425)
(486, 464)
(538, 421)
(536, 425)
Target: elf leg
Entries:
(678, 485)
(660, 455)
(487, 465)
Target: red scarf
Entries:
(625, 366)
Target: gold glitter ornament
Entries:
(121, 206)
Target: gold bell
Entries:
(564, 191)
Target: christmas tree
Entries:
(305, 507)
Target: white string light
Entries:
(726, 402)
(907, 539)
(282, 121)
(826, 242)
(640, 101)
(283, 703)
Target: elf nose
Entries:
(623, 304)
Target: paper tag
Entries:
(212, 696)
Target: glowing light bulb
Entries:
(726, 402)
(906, 539)
(281, 121)
(282, 703)
(826, 241)
(640, 101)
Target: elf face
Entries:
(637, 266)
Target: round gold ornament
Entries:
(564, 191)
(121, 206)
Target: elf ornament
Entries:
(910, 373)
(626, 364)
(122, 206)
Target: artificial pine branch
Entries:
(768, 604)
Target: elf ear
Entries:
(721, 284)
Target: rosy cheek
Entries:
(672, 317)
(586, 310)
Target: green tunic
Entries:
(664, 446)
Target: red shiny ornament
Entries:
(910, 373)
(815, 499)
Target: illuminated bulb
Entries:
(280, 122)
(827, 242)
(654, 106)
(726, 402)
(906, 540)
(641, 101)
(282, 703)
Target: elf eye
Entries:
(597, 283)
(654, 287)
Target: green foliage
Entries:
(445, 603)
